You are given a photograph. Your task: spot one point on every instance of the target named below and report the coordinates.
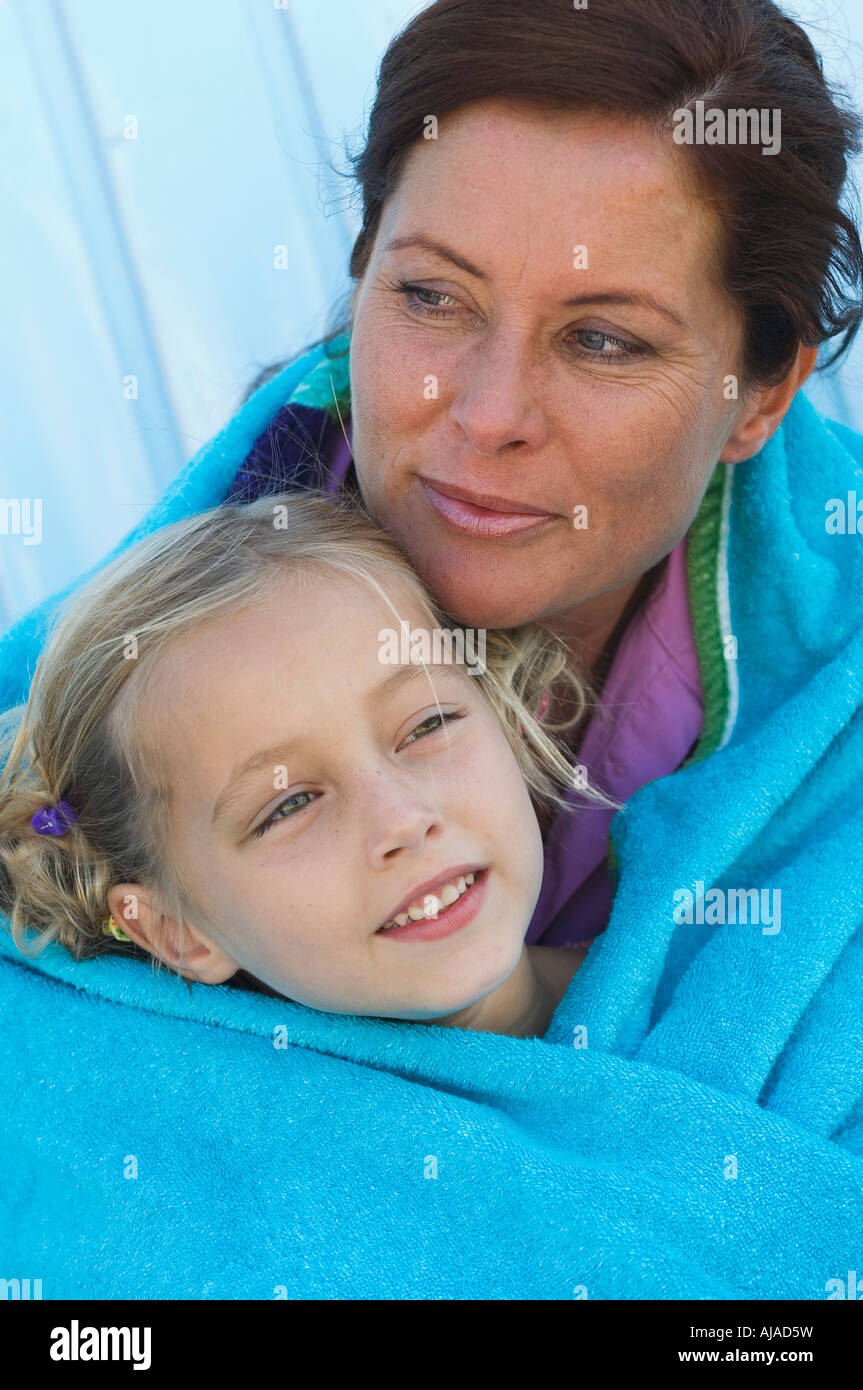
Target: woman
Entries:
(565, 323)
(581, 319)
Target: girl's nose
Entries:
(401, 820)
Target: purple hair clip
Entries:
(54, 820)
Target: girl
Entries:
(221, 766)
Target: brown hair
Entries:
(792, 256)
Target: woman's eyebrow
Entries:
(398, 243)
(437, 248)
(643, 300)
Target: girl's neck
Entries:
(524, 1005)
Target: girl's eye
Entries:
(286, 808)
(592, 340)
(429, 726)
(432, 307)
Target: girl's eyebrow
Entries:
(400, 676)
(278, 754)
(437, 248)
(267, 757)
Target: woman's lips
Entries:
(477, 520)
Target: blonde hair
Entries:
(77, 737)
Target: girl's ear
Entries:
(185, 949)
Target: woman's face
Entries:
(578, 396)
(360, 795)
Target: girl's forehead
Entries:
(321, 621)
(285, 683)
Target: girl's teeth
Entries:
(433, 903)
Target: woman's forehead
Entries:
(490, 140)
(513, 192)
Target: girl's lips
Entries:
(448, 920)
(482, 521)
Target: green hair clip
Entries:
(110, 928)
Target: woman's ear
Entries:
(186, 949)
(765, 409)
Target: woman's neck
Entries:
(594, 631)
(593, 638)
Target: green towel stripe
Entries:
(703, 573)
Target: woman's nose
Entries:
(496, 399)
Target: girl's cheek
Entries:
(494, 777)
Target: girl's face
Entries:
(540, 332)
(316, 791)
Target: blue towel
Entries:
(691, 1126)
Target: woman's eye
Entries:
(592, 340)
(432, 306)
(430, 726)
(285, 809)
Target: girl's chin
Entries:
(450, 1006)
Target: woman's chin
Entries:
(474, 598)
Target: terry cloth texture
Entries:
(691, 1126)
